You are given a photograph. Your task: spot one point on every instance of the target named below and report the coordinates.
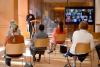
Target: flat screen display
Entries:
(77, 14)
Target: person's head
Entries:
(30, 11)
(14, 28)
(41, 27)
(60, 25)
(83, 25)
(12, 22)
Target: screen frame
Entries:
(89, 7)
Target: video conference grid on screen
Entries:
(77, 15)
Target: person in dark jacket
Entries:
(29, 18)
(40, 50)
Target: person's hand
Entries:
(36, 21)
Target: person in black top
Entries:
(29, 18)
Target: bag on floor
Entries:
(28, 64)
(63, 49)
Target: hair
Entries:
(15, 28)
(61, 26)
(41, 27)
(12, 23)
(28, 17)
(83, 25)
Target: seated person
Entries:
(12, 31)
(97, 47)
(13, 25)
(81, 35)
(40, 50)
(58, 30)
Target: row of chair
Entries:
(19, 46)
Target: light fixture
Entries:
(59, 8)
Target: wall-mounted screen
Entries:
(77, 14)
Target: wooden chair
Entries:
(60, 38)
(15, 46)
(83, 48)
(42, 43)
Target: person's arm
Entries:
(54, 32)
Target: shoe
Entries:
(66, 55)
(34, 59)
(50, 51)
(73, 65)
(8, 61)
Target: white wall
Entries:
(97, 15)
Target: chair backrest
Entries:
(16, 39)
(41, 42)
(82, 48)
(15, 45)
(60, 38)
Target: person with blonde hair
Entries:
(81, 35)
(13, 30)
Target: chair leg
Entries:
(68, 62)
(91, 60)
(49, 58)
(22, 62)
(80, 64)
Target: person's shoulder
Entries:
(90, 34)
(77, 31)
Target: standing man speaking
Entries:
(29, 18)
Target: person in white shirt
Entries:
(81, 35)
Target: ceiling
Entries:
(59, 5)
(68, 1)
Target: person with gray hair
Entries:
(13, 30)
(11, 27)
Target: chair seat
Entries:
(40, 52)
(14, 55)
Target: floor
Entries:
(56, 60)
